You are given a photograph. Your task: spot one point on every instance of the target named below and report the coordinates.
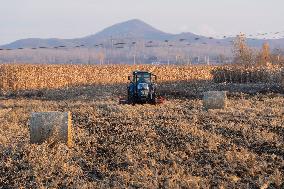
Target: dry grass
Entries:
(174, 145)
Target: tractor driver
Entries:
(144, 78)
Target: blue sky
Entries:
(76, 18)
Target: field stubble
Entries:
(174, 145)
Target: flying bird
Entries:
(117, 44)
(182, 40)
(197, 38)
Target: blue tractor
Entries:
(142, 89)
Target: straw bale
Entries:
(51, 126)
(214, 99)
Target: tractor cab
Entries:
(142, 77)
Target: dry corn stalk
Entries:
(31, 77)
(242, 74)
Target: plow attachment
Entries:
(159, 100)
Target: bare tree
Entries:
(265, 54)
(243, 54)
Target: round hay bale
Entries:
(214, 99)
(51, 126)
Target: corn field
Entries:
(35, 77)
(26, 77)
(177, 144)
(242, 74)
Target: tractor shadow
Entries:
(81, 92)
(170, 90)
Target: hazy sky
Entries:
(77, 18)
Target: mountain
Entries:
(130, 29)
(133, 30)
(37, 42)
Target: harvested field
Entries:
(174, 145)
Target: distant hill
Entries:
(37, 42)
(134, 30)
